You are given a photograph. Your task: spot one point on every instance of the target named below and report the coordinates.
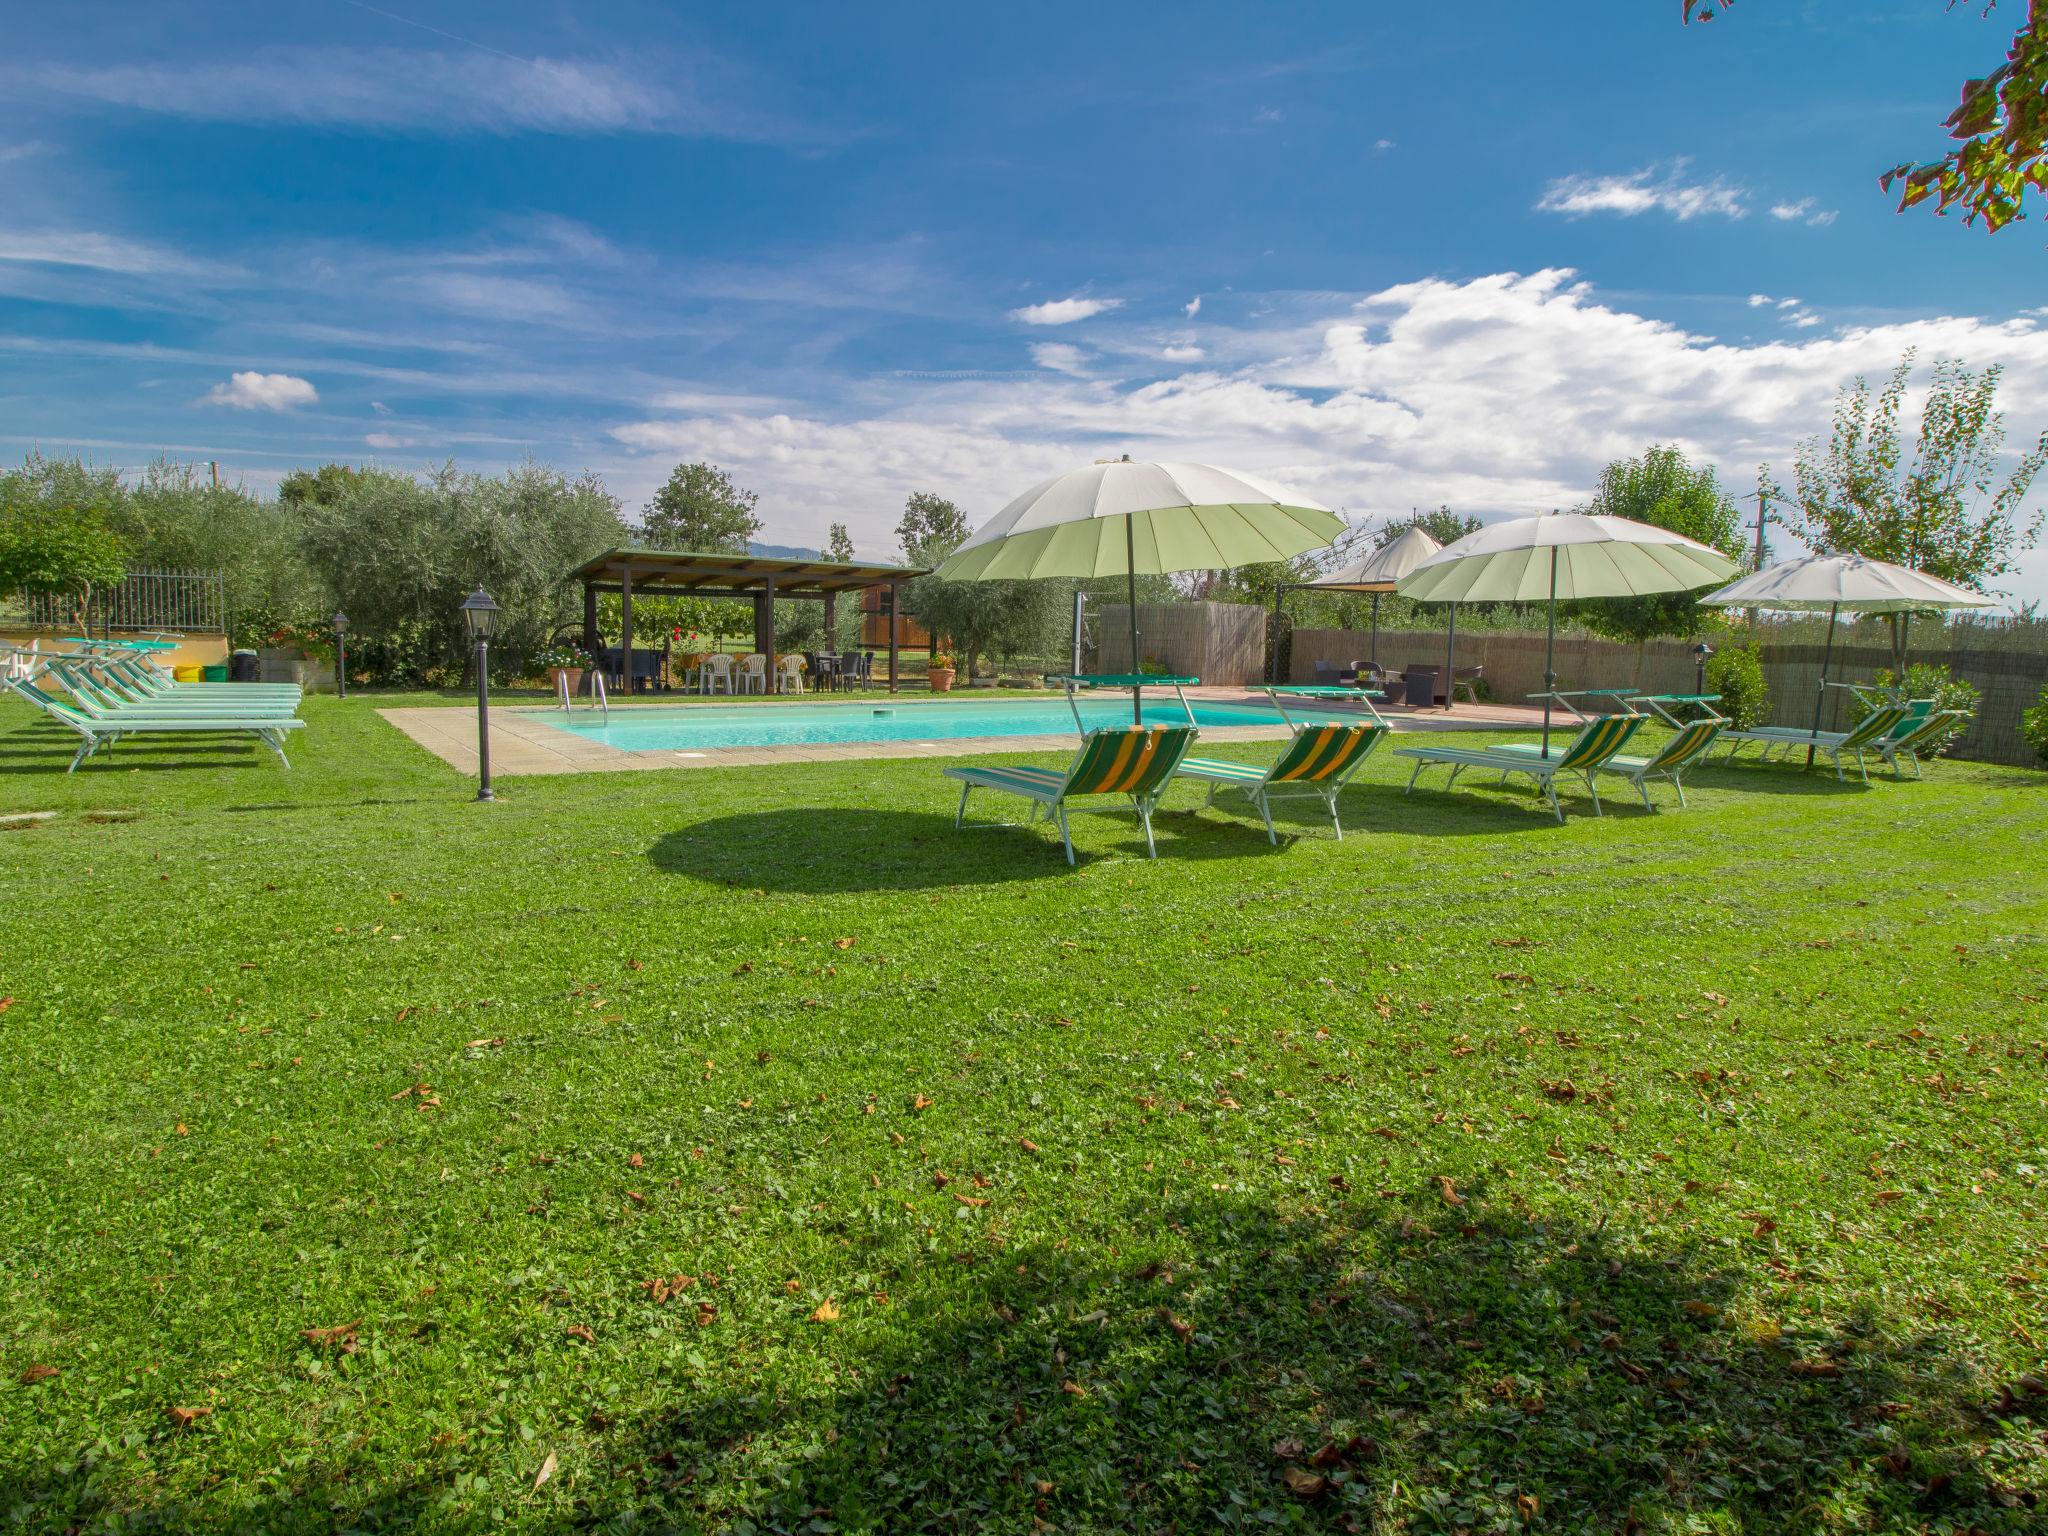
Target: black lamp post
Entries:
(340, 653)
(481, 615)
(1700, 653)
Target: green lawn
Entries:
(747, 1150)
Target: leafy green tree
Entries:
(400, 553)
(1442, 524)
(325, 485)
(838, 544)
(1954, 509)
(1663, 489)
(699, 509)
(54, 550)
(2000, 131)
(931, 528)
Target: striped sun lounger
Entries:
(1137, 761)
(1318, 762)
(1585, 754)
(1864, 737)
(1685, 750)
(1912, 737)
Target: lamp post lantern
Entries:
(340, 653)
(1700, 653)
(480, 614)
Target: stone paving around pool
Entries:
(522, 740)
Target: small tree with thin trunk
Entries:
(1954, 509)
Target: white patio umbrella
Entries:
(1827, 584)
(1378, 572)
(1121, 518)
(1563, 555)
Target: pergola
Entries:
(674, 573)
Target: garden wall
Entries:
(2010, 681)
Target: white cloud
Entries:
(1805, 211)
(262, 392)
(1653, 189)
(1064, 311)
(1061, 357)
(1383, 144)
(1788, 303)
(1193, 307)
(1804, 320)
(386, 440)
(1759, 300)
(1268, 115)
(1182, 352)
(1498, 395)
(380, 407)
(103, 253)
(402, 89)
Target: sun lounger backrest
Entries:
(1934, 727)
(1875, 726)
(44, 701)
(1323, 750)
(1687, 745)
(1599, 741)
(1128, 759)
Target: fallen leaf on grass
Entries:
(842, 943)
(1515, 941)
(1027, 1143)
(1304, 1484)
(1702, 1309)
(581, 1331)
(827, 1311)
(36, 1373)
(1814, 1368)
(976, 1201)
(1073, 1389)
(707, 1314)
(1450, 1189)
(920, 1104)
(1181, 1328)
(185, 1418)
(547, 1470)
(341, 1336)
(486, 1044)
(6, 1003)
(636, 1161)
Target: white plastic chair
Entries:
(753, 675)
(716, 675)
(792, 670)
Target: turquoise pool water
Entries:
(694, 727)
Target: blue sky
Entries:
(1462, 252)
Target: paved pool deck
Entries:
(523, 742)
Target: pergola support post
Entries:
(764, 631)
(590, 618)
(895, 627)
(626, 632)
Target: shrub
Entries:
(1737, 675)
(2034, 726)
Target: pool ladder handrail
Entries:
(599, 699)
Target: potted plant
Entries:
(564, 663)
(940, 672)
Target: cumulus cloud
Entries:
(1193, 307)
(1182, 352)
(1498, 395)
(1805, 211)
(1060, 357)
(263, 392)
(1065, 311)
(1654, 189)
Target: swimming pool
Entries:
(698, 726)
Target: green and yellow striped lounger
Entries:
(1318, 762)
(1134, 760)
(1687, 749)
(1912, 737)
(1584, 755)
(1864, 737)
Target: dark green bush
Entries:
(1737, 675)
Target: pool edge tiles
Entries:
(523, 742)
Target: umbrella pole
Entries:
(1820, 694)
(1450, 670)
(1550, 650)
(1375, 631)
(1131, 590)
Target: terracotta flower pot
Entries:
(941, 679)
(574, 675)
